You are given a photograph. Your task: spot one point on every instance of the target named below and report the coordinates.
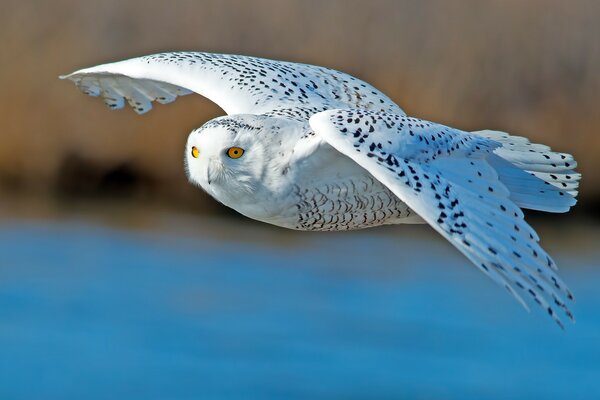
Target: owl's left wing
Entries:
(443, 174)
(237, 84)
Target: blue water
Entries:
(225, 312)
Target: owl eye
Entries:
(235, 152)
(195, 152)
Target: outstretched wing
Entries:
(443, 174)
(238, 84)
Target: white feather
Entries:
(238, 84)
(456, 190)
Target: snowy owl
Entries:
(310, 148)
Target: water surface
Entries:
(188, 307)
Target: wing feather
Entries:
(238, 84)
(444, 175)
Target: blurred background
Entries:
(118, 279)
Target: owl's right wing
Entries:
(237, 84)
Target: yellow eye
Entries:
(195, 152)
(235, 152)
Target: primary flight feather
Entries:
(310, 148)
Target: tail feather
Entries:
(537, 178)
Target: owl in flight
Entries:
(310, 148)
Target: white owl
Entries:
(310, 148)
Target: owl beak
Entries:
(210, 170)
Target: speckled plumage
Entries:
(326, 151)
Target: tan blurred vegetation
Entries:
(527, 67)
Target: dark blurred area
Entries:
(529, 68)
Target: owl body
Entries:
(288, 177)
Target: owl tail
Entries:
(537, 178)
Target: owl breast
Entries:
(347, 204)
